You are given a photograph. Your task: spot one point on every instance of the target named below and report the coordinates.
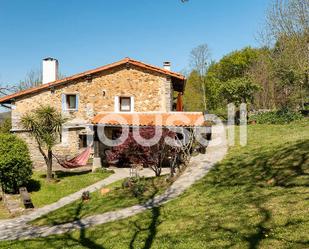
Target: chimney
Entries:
(50, 70)
(167, 65)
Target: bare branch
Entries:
(199, 58)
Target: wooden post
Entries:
(97, 163)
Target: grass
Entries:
(257, 197)
(119, 197)
(65, 183)
(43, 192)
(4, 214)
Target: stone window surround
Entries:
(64, 101)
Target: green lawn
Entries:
(43, 192)
(117, 198)
(65, 183)
(258, 197)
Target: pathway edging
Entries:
(198, 168)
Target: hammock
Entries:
(76, 162)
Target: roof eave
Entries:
(87, 73)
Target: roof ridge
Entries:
(91, 71)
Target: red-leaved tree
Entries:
(149, 156)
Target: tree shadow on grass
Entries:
(62, 174)
(258, 224)
(284, 166)
(83, 239)
(255, 238)
(151, 229)
(256, 172)
(35, 185)
(69, 238)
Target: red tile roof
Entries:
(90, 72)
(178, 119)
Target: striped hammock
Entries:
(76, 162)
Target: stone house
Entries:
(127, 86)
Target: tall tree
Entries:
(32, 79)
(288, 27)
(44, 124)
(261, 72)
(199, 60)
(239, 90)
(193, 95)
(235, 64)
(228, 79)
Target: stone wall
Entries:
(151, 91)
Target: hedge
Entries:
(283, 116)
(15, 163)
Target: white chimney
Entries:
(50, 70)
(167, 65)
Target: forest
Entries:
(272, 77)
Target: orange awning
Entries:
(171, 119)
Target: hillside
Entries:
(256, 198)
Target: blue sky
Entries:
(86, 34)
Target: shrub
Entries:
(6, 126)
(139, 186)
(15, 163)
(136, 185)
(221, 113)
(283, 116)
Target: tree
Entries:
(288, 17)
(235, 64)
(149, 156)
(239, 90)
(6, 125)
(287, 26)
(32, 79)
(228, 79)
(44, 124)
(193, 94)
(199, 59)
(6, 90)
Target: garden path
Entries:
(198, 168)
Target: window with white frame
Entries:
(70, 102)
(124, 104)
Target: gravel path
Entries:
(198, 168)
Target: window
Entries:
(125, 104)
(70, 102)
